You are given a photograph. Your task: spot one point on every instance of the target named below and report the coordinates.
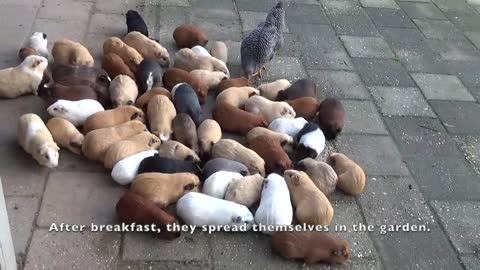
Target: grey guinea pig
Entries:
(223, 164)
(186, 101)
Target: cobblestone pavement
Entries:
(408, 73)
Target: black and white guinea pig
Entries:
(149, 75)
(160, 164)
(223, 164)
(186, 101)
(310, 142)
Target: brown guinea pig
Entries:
(306, 107)
(133, 208)
(142, 101)
(311, 246)
(188, 36)
(233, 119)
(299, 89)
(58, 91)
(174, 76)
(225, 84)
(331, 117)
(276, 159)
(114, 66)
(24, 52)
(113, 117)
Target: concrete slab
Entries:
(474, 37)
(438, 29)
(380, 4)
(465, 22)
(65, 10)
(70, 29)
(470, 146)
(289, 68)
(442, 87)
(342, 7)
(362, 117)
(251, 19)
(339, 84)
(458, 50)
(401, 101)
(353, 264)
(470, 261)
(359, 25)
(458, 117)
(112, 24)
(219, 29)
(388, 17)
(367, 47)
(21, 215)
(311, 14)
(382, 72)
(187, 265)
(422, 10)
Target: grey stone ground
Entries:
(407, 71)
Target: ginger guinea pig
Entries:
(235, 120)
(228, 83)
(24, 52)
(147, 48)
(245, 191)
(237, 96)
(276, 159)
(188, 36)
(67, 52)
(176, 150)
(188, 60)
(331, 117)
(230, 149)
(299, 89)
(351, 177)
(271, 110)
(270, 90)
(113, 117)
(210, 78)
(123, 91)
(113, 64)
(65, 134)
(164, 189)
(209, 133)
(143, 100)
(174, 76)
(131, 57)
(284, 140)
(322, 174)
(160, 113)
(306, 107)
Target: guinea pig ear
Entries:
(36, 63)
(189, 158)
(189, 187)
(151, 142)
(237, 219)
(252, 94)
(295, 180)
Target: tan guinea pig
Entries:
(351, 177)
(237, 96)
(96, 142)
(311, 205)
(129, 55)
(185, 131)
(237, 82)
(143, 100)
(147, 47)
(123, 91)
(188, 36)
(209, 133)
(113, 117)
(114, 66)
(306, 107)
(271, 110)
(230, 149)
(160, 113)
(130, 146)
(220, 51)
(68, 52)
(284, 140)
(322, 174)
(177, 151)
(210, 78)
(270, 90)
(188, 60)
(246, 190)
(65, 134)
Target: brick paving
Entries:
(408, 72)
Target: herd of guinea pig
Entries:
(146, 125)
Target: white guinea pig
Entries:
(275, 206)
(126, 169)
(199, 209)
(217, 183)
(200, 50)
(76, 112)
(288, 126)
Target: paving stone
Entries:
(443, 87)
(33, 3)
(208, 13)
(470, 146)
(70, 162)
(219, 29)
(67, 250)
(359, 25)
(379, 4)
(342, 7)
(470, 261)
(458, 117)
(421, 136)
(21, 215)
(377, 155)
(118, 7)
(253, 5)
(465, 22)
(251, 19)
(457, 50)
(351, 264)
(187, 265)
(311, 14)
(444, 177)
(65, 10)
(401, 101)
(459, 6)
(362, 117)
(422, 10)
(467, 72)
(289, 68)
(168, 3)
(59, 29)
(339, 84)
(127, 266)
(382, 72)
(388, 17)
(112, 24)
(438, 29)
(474, 37)
(94, 44)
(367, 47)
(144, 247)
(79, 198)
(246, 251)
(460, 220)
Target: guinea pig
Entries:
(284, 140)
(230, 149)
(38, 41)
(216, 184)
(149, 75)
(24, 78)
(65, 134)
(147, 48)
(311, 205)
(129, 55)
(245, 191)
(186, 101)
(25, 52)
(132, 145)
(123, 91)
(276, 159)
(188, 36)
(331, 117)
(56, 92)
(113, 117)
(164, 189)
(134, 209)
(310, 142)
(135, 22)
(311, 246)
(160, 113)
(178, 151)
(34, 137)
(114, 66)
(275, 208)
(202, 210)
(306, 107)
(322, 174)
(237, 96)
(351, 177)
(174, 76)
(76, 112)
(271, 110)
(185, 131)
(220, 51)
(228, 83)
(210, 78)
(235, 120)
(200, 50)
(96, 143)
(270, 90)
(159, 164)
(143, 100)
(188, 60)
(221, 164)
(209, 133)
(288, 126)
(126, 169)
(69, 52)
(299, 89)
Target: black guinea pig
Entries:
(223, 164)
(299, 89)
(186, 101)
(160, 164)
(135, 22)
(310, 142)
(149, 75)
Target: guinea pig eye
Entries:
(189, 187)
(129, 102)
(47, 157)
(283, 143)
(237, 219)
(55, 109)
(135, 115)
(189, 158)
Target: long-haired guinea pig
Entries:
(322, 174)
(245, 191)
(24, 78)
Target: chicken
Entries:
(260, 45)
